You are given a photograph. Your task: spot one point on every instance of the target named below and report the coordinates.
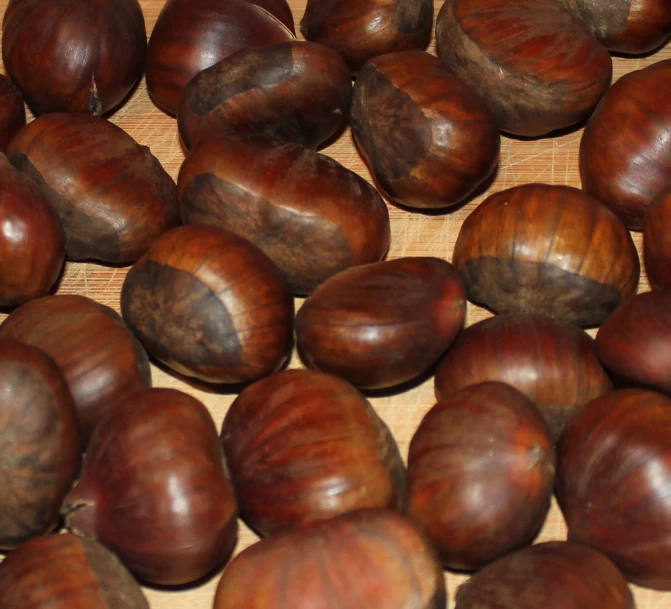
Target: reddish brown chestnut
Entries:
(74, 55)
(39, 443)
(656, 245)
(67, 572)
(369, 558)
(101, 360)
(310, 215)
(12, 111)
(549, 250)
(537, 66)
(382, 324)
(304, 446)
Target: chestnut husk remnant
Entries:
(656, 245)
(39, 443)
(428, 139)
(554, 363)
(536, 65)
(362, 29)
(310, 215)
(210, 305)
(367, 558)
(12, 111)
(67, 572)
(379, 325)
(154, 490)
(74, 55)
(556, 574)
(101, 360)
(613, 476)
(625, 150)
(304, 446)
(293, 91)
(548, 250)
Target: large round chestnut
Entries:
(537, 66)
(553, 363)
(555, 574)
(153, 489)
(382, 324)
(39, 443)
(656, 245)
(74, 55)
(428, 139)
(32, 243)
(625, 150)
(310, 215)
(613, 478)
(480, 474)
(210, 305)
(12, 111)
(303, 446)
(293, 91)
(369, 558)
(101, 360)
(67, 572)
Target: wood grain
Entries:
(550, 160)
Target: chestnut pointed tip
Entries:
(79, 516)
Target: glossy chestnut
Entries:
(12, 111)
(656, 245)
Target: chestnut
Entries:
(74, 55)
(153, 489)
(101, 360)
(613, 477)
(294, 91)
(625, 150)
(32, 243)
(39, 443)
(536, 65)
(310, 215)
(210, 305)
(368, 558)
(428, 139)
(656, 245)
(379, 325)
(12, 111)
(303, 446)
(549, 250)
(554, 363)
(67, 572)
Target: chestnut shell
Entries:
(656, 245)
(12, 111)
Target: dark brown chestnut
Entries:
(656, 245)
(613, 478)
(552, 362)
(303, 446)
(210, 305)
(379, 325)
(39, 443)
(310, 215)
(368, 558)
(625, 150)
(12, 111)
(549, 250)
(294, 91)
(67, 572)
(153, 489)
(74, 55)
(101, 360)
(536, 65)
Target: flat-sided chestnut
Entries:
(369, 558)
(101, 360)
(382, 324)
(310, 215)
(613, 478)
(656, 245)
(625, 150)
(153, 489)
(211, 305)
(536, 65)
(303, 446)
(12, 111)
(553, 363)
(428, 139)
(39, 443)
(74, 55)
(67, 572)
(549, 250)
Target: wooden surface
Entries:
(553, 161)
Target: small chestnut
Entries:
(656, 244)
(12, 111)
